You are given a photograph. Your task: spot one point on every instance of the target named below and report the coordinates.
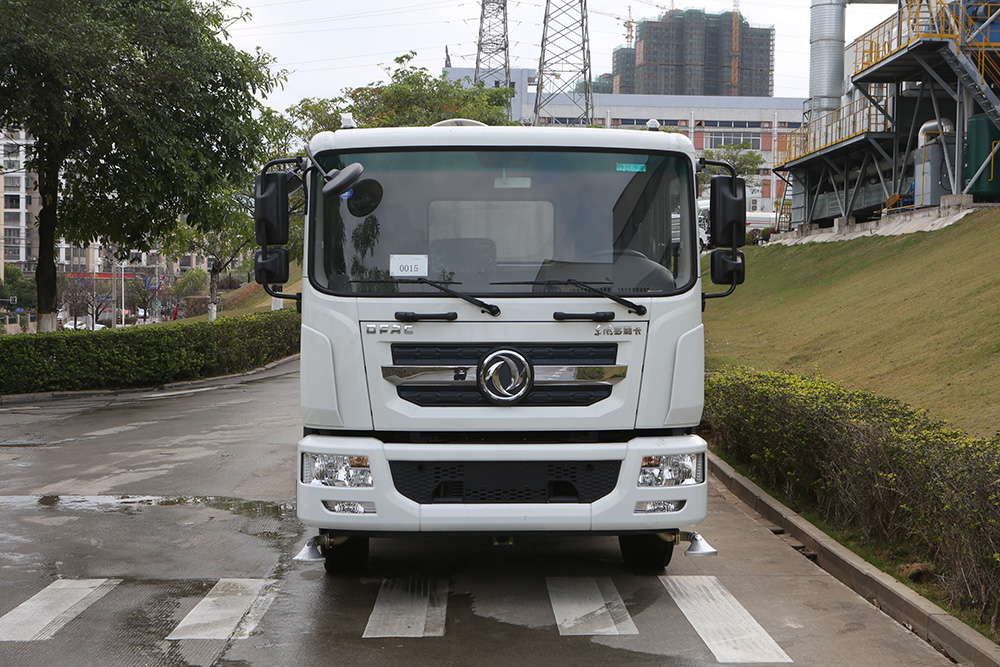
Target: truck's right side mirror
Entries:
(728, 213)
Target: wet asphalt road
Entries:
(158, 528)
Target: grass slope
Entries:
(913, 317)
(251, 298)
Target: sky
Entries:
(329, 45)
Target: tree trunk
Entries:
(45, 272)
(213, 291)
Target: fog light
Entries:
(658, 506)
(672, 470)
(336, 470)
(349, 507)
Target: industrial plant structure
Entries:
(915, 123)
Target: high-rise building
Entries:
(690, 52)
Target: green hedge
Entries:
(870, 464)
(145, 356)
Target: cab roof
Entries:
(465, 136)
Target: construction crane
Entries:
(627, 23)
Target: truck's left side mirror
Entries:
(270, 209)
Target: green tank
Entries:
(981, 137)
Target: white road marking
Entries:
(728, 629)
(588, 606)
(219, 614)
(412, 607)
(114, 430)
(257, 610)
(51, 608)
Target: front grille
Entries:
(504, 482)
(468, 355)
(433, 397)
(459, 354)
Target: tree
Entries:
(411, 97)
(14, 284)
(139, 112)
(747, 163)
(231, 237)
(192, 283)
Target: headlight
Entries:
(336, 470)
(672, 470)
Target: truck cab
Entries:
(501, 333)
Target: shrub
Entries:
(146, 356)
(872, 464)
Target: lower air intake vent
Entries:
(504, 482)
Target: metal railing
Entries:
(974, 28)
(858, 117)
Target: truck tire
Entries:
(645, 552)
(350, 556)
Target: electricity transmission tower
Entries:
(564, 68)
(493, 56)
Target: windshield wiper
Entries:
(486, 307)
(632, 306)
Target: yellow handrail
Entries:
(858, 117)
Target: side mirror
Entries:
(728, 267)
(728, 215)
(270, 209)
(340, 181)
(271, 266)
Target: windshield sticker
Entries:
(401, 266)
(624, 166)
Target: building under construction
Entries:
(691, 52)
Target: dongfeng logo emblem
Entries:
(505, 376)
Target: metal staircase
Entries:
(972, 79)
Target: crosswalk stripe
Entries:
(411, 607)
(220, 612)
(51, 608)
(728, 629)
(588, 606)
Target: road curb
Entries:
(924, 618)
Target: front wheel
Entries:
(645, 552)
(350, 556)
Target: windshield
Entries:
(506, 222)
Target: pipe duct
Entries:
(827, 19)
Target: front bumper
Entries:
(395, 513)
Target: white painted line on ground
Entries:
(412, 607)
(51, 608)
(220, 612)
(257, 611)
(728, 629)
(588, 606)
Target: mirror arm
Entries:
(702, 162)
(297, 161)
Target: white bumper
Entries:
(394, 512)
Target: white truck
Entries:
(501, 333)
